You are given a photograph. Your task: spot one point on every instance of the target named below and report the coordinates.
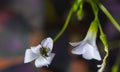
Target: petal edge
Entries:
(29, 56)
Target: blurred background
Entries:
(24, 23)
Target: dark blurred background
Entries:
(24, 23)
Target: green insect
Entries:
(44, 51)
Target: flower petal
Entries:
(91, 52)
(98, 66)
(74, 43)
(50, 58)
(36, 49)
(96, 55)
(41, 61)
(29, 56)
(91, 37)
(48, 42)
(79, 49)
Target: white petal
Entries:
(41, 61)
(98, 66)
(50, 58)
(79, 49)
(48, 42)
(96, 55)
(29, 56)
(91, 52)
(91, 37)
(74, 43)
(88, 54)
(36, 49)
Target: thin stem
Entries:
(101, 31)
(104, 41)
(65, 25)
(73, 9)
(104, 60)
(102, 36)
(110, 17)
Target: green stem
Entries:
(94, 8)
(114, 22)
(65, 25)
(104, 41)
(73, 9)
(101, 31)
(104, 60)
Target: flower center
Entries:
(44, 51)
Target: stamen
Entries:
(44, 51)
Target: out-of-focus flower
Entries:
(40, 53)
(88, 48)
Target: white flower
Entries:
(87, 48)
(40, 53)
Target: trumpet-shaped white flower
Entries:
(87, 48)
(40, 53)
